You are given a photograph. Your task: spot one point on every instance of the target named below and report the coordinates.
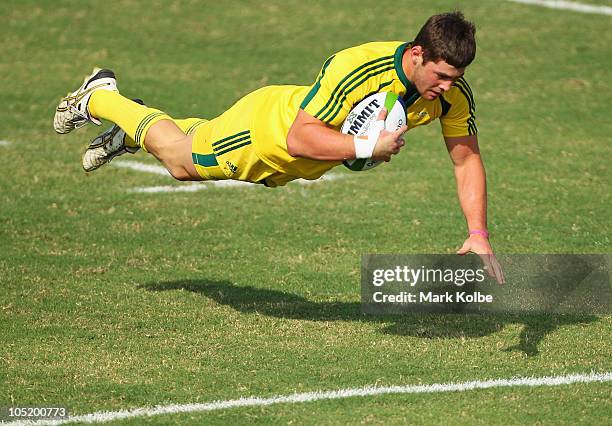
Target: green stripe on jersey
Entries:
(232, 142)
(397, 60)
(311, 94)
(231, 148)
(465, 89)
(340, 85)
(467, 92)
(338, 103)
(246, 132)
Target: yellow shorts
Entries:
(222, 149)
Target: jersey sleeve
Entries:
(460, 118)
(340, 85)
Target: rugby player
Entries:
(280, 133)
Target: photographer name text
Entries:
(431, 297)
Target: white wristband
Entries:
(364, 145)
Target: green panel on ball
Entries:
(390, 100)
(355, 165)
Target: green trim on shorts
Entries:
(204, 160)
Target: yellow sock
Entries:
(133, 118)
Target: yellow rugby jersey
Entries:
(344, 80)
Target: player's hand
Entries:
(480, 245)
(389, 143)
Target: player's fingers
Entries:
(398, 145)
(382, 114)
(399, 132)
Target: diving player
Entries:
(281, 133)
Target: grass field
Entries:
(111, 299)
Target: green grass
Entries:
(111, 300)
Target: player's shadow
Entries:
(280, 304)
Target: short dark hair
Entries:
(448, 37)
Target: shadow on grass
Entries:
(279, 304)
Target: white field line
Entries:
(569, 5)
(141, 167)
(106, 416)
(193, 187)
(199, 186)
(4, 143)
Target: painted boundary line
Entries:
(107, 416)
(4, 143)
(187, 187)
(569, 5)
(141, 167)
(199, 186)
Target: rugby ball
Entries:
(361, 117)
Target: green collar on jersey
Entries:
(411, 92)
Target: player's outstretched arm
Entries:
(311, 138)
(472, 192)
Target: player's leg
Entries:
(166, 141)
(98, 98)
(147, 128)
(115, 142)
(108, 145)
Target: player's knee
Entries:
(179, 173)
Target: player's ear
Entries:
(416, 54)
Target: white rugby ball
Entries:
(361, 117)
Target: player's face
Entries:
(434, 78)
